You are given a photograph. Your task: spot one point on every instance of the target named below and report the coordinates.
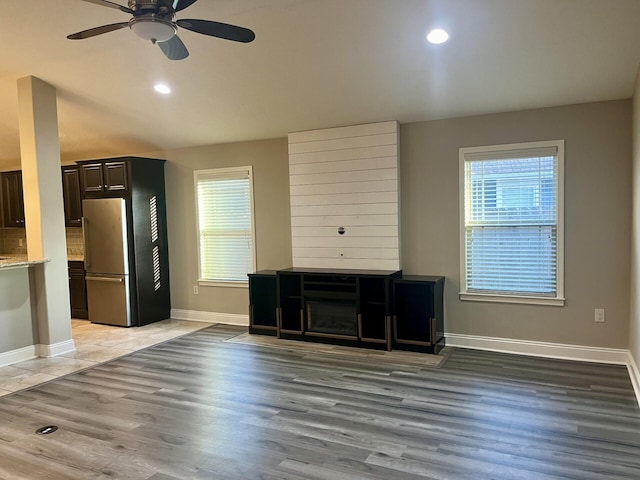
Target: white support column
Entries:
(44, 211)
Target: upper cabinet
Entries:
(104, 178)
(72, 194)
(12, 199)
(90, 179)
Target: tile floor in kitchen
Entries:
(94, 344)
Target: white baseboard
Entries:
(18, 355)
(210, 317)
(634, 374)
(56, 348)
(540, 349)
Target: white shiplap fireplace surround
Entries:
(345, 180)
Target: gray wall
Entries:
(269, 159)
(634, 322)
(597, 212)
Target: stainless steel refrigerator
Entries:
(107, 261)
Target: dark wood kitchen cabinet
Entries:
(104, 178)
(12, 199)
(140, 182)
(72, 195)
(78, 290)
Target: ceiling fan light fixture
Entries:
(153, 29)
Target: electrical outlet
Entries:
(20, 242)
(195, 289)
(599, 315)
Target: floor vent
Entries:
(46, 430)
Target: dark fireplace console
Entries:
(366, 308)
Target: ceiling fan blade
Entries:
(92, 32)
(107, 3)
(182, 4)
(174, 49)
(220, 30)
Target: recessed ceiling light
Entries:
(162, 88)
(437, 36)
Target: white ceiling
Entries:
(314, 64)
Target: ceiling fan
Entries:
(153, 20)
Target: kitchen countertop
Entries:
(75, 258)
(17, 261)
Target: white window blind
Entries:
(225, 224)
(512, 232)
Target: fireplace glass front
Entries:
(332, 317)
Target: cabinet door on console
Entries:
(413, 313)
(262, 303)
(418, 321)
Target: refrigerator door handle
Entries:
(85, 238)
(104, 279)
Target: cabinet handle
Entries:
(434, 331)
(278, 321)
(85, 237)
(360, 326)
(104, 279)
(395, 327)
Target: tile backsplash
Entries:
(13, 241)
(75, 243)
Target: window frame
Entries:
(502, 297)
(224, 173)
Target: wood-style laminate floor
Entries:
(200, 407)
(94, 344)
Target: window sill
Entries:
(523, 299)
(211, 283)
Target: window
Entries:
(511, 232)
(224, 199)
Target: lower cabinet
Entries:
(418, 322)
(78, 290)
(262, 303)
(363, 308)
